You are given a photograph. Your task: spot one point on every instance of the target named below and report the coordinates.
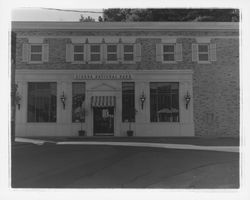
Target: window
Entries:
(36, 52)
(128, 101)
(168, 52)
(128, 50)
(164, 102)
(42, 102)
(95, 53)
(112, 52)
(78, 53)
(203, 52)
(78, 98)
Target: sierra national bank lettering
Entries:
(102, 76)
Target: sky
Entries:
(47, 14)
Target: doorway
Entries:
(103, 121)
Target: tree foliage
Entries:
(86, 19)
(219, 15)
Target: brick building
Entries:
(155, 78)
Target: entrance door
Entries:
(103, 120)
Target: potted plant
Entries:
(131, 116)
(82, 117)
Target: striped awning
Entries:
(103, 101)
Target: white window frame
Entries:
(95, 53)
(128, 53)
(168, 53)
(204, 53)
(112, 53)
(36, 53)
(78, 53)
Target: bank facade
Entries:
(156, 79)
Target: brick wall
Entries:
(216, 92)
(215, 85)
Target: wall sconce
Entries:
(63, 100)
(187, 99)
(142, 99)
(18, 100)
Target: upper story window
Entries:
(78, 53)
(36, 52)
(95, 52)
(128, 52)
(168, 52)
(203, 52)
(112, 53)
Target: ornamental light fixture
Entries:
(187, 99)
(63, 100)
(142, 99)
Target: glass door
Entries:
(103, 121)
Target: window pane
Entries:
(128, 57)
(78, 48)
(95, 57)
(168, 57)
(203, 57)
(203, 48)
(111, 48)
(128, 48)
(78, 57)
(36, 48)
(95, 48)
(168, 48)
(41, 102)
(163, 87)
(112, 57)
(128, 101)
(36, 57)
(78, 98)
(164, 102)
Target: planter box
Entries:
(81, 133)
(130, 133)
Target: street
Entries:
(81, 166)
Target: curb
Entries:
(234, 149)
(156, 145)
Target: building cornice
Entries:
(129, 26)
(44, 72)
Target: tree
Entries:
(86, 19)
(220, 15)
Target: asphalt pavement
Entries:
(91, 166)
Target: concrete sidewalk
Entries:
(136, 143)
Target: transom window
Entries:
(203, 52)
(79, 53)
(95, 52)
(42, 102)
(168, 52)
(111, 52)
(36, 53)
(128, 50)
(164, 102)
